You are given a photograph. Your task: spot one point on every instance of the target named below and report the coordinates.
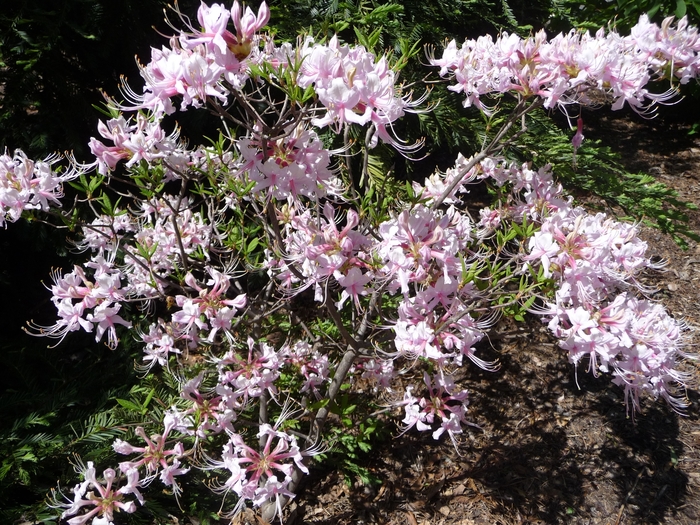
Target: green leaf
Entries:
(148, 399)
(129, 405)
(252, 245)
(361, 38)
(107, 207)
(318, 404)
(373, 38)
(681, 9)
(528, 304)
(632, 8)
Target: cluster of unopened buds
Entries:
(430, 261)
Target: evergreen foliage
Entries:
(56, 56)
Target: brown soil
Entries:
(548, 451)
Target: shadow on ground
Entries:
(547, 453)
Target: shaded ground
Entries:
(549, 452)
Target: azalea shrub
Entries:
(267, 275)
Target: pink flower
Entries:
(353, 284)
(442, 402)
(29, 185)
(213, 21)
(246, 25)
(105, 499)
(105, 317)
(262, 475)
(249, 377)
(154, 456)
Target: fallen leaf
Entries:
(459, 489)
(434, 490)
(411, 519)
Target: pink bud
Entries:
(578, 137)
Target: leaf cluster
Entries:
(622, 14)
(57, 402)
(352, 435)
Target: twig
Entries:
(629, 495)
(521, 109)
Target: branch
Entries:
(521, 109)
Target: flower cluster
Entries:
(241, 379)
(424, 253)
(594, 261)
(315, 251)
(209, 310)
(575, 67)
(29, 185)
(155, 248)
(87, 303)
(203, 62)
(101, 497)
(261, 476)
(443, 402)
(143, 140)
(354, 88)
(292, 166)
(154, 457)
